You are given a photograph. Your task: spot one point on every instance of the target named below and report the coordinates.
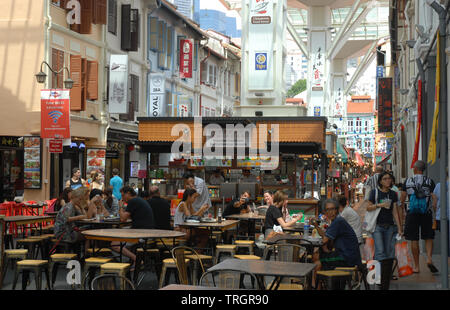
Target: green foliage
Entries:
(297, 88)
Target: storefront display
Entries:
(95, 161)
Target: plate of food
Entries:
(208, 220)
(192, 221)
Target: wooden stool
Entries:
(92, 263)
(224, 248)
(12, 256)
(332, 279)
(169, 242)
(35, 266)
(168, 265)
(217, 235)
(116, 268)
(246, 244)
(196, 264)
(54, 262)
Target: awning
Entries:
(343, 152)
(359, 159)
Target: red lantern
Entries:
(130, 147)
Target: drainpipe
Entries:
(443, 145)
(201, 72)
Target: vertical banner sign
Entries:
(32, 162)
(384, 105)
(55, 114)
(186, 58)
(118, 84)
(261, 33)
(157, 95)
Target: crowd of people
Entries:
(388, 216)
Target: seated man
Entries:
(140, 213)
(238, 206)
(339, 236)
(161, 209)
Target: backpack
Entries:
(418, 202)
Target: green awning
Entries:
(341, 150)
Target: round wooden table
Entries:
(130, 235)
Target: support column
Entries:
(338, 109)
(319, 40)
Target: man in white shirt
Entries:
(191, 181)
(247, 177)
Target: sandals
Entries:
(432, 268)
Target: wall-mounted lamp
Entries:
(41, 76)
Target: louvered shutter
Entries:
(86, 16)
(112, 16)
(92, 80)
(100, 12)
(126, 27)
(75, 74)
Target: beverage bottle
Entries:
(219, 215)
(306, 229)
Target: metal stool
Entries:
(35, 266)
(245, 244)
(196, 264)
(31, 244)
(54, 262)
(247, 257)
(12, 256)
(168, 265)
(333, 279)
(116, 268)
(224, 248)
(92, 263)
(145, 256)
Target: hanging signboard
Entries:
(55, 114)
(157, 95)
(186, 57)
(55, 146)
(384, 105)
(95, 160)
(118, 84)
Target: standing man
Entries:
(419, 215)
(216, 178)
(116, 183)
(75, 181)
(161, 209)
(191, 181)
(352, 218)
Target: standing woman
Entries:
(97, 182)
(274, 214)
(384, 200)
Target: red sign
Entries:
(186, 58)
(55, 146)
(55, 114)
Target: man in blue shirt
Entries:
(340, 236)
(116, 183)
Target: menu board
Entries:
(134, 169)
(96, 160)
(32, 163)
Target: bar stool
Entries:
(92, 264)
(12, 256)
(247, 257)
(245, 244)
(35, 266)
(103, 252)
(207, 261)
(169, 265)
(333, 279)
(144, 256)
(54, 262)
(224, 248)
(31, 244)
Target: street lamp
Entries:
(41, 76)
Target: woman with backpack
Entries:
(382, 206)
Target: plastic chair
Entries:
(228, 279)
(111, 282)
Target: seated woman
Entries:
(74, 211)
(110, 202)
(186, 209)
(274, 214)
(100, 207)
(62, 199)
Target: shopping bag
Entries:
(370, 218)
(369, 249)
(404, 259)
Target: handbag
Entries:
(370, 219)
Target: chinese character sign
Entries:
(55, 114)
(186, 58)
(384, 105)
(318, 66)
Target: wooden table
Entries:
(223, 226)
(104, 223)
(179, 287)
(251, 218)
(262, 268)
(25, 220)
